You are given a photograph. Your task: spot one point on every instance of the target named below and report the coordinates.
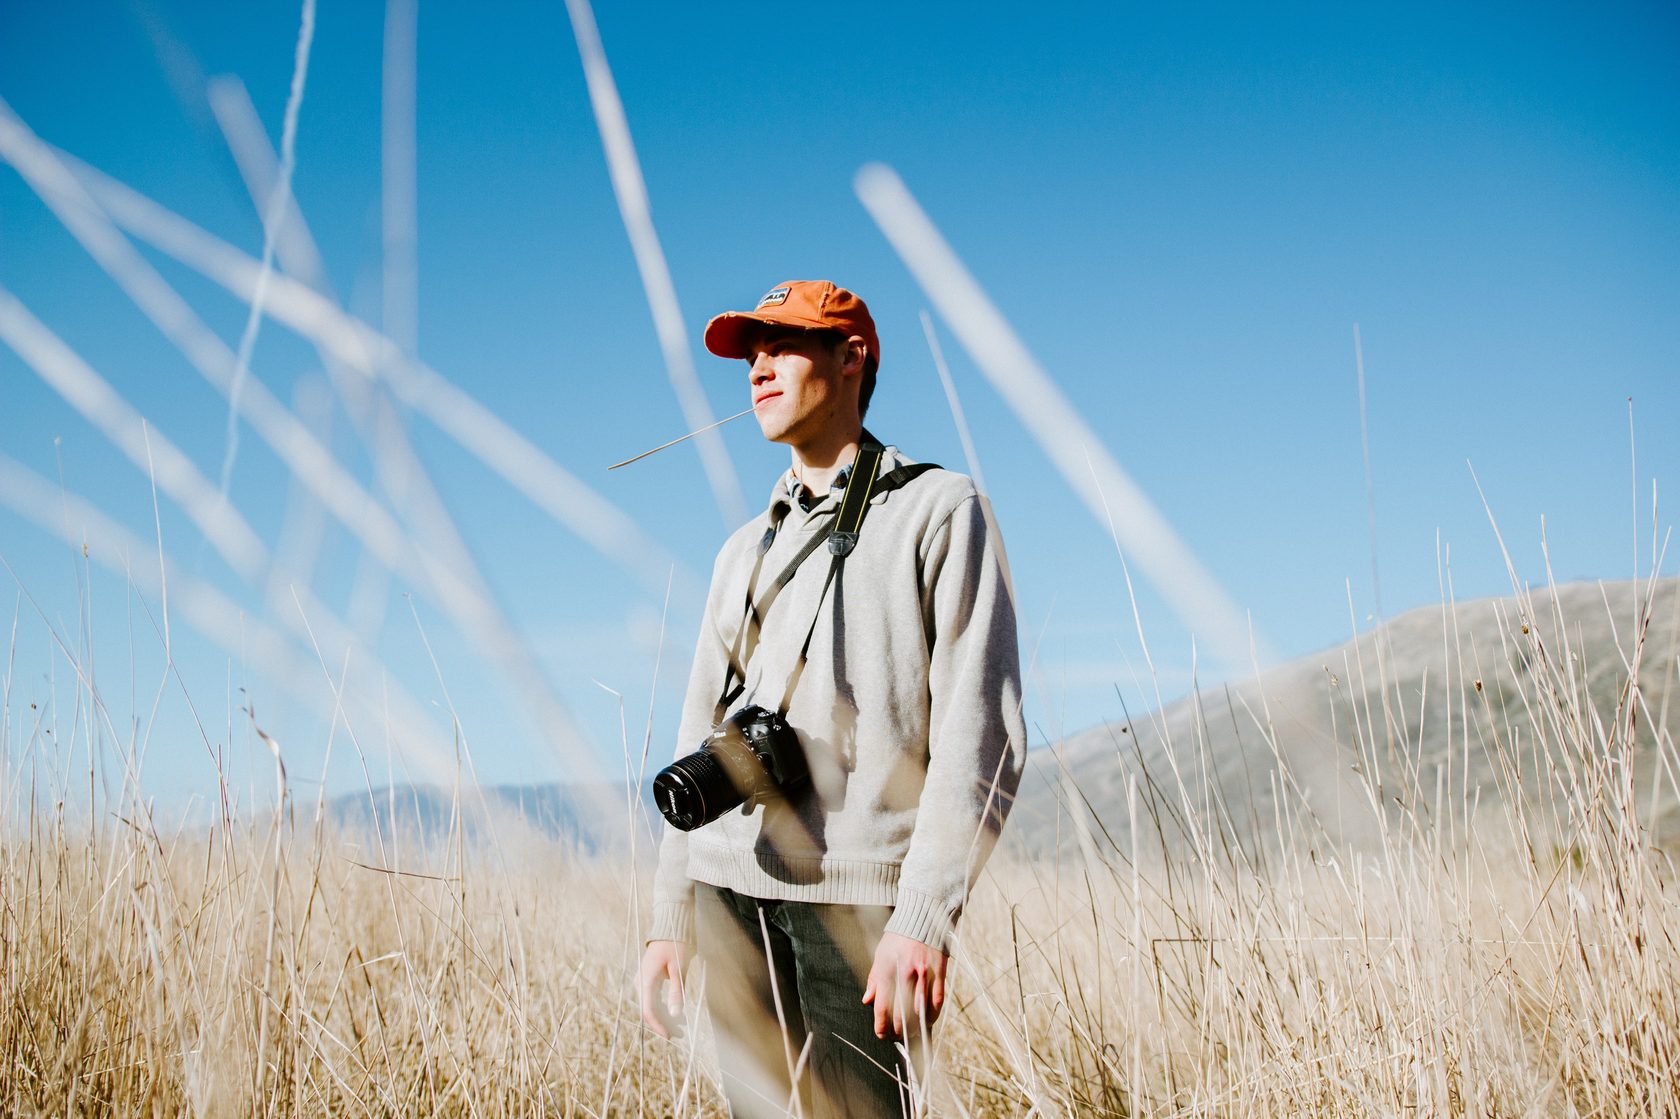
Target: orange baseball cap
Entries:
(804, 304)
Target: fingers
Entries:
(906, 985)
(652, 978)
(652, 1013)
(880, 981)
(673, 989)
(662, 967)
(920, 998)
(908, 995)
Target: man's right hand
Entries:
(663, 964)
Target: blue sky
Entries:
(1182, 211)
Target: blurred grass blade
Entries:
(1207, 611)
(546, 483)
(274, 210)
(631, 191)
(310, 462)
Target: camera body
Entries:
(752, 757)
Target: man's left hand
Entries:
(906, 984)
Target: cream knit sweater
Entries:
(909, 711)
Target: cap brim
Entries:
(727, 334)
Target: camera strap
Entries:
(841, 534)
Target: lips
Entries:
(757, 400)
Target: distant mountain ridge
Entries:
(594, 817)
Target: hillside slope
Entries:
(1429, 723)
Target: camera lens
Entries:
(694, 790)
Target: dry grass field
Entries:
(1529, 967)
(1434, 878)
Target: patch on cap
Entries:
(773, 298)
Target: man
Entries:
(825, 918)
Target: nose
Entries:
(760, 369)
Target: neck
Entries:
(817, 464)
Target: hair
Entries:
(867, 390)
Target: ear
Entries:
(857, 351)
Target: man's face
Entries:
(799, 387)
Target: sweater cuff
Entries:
(673, 921)
(923, 917)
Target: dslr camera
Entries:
(750, 758)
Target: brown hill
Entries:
(1528, 709)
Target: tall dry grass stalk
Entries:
(1520, 962)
